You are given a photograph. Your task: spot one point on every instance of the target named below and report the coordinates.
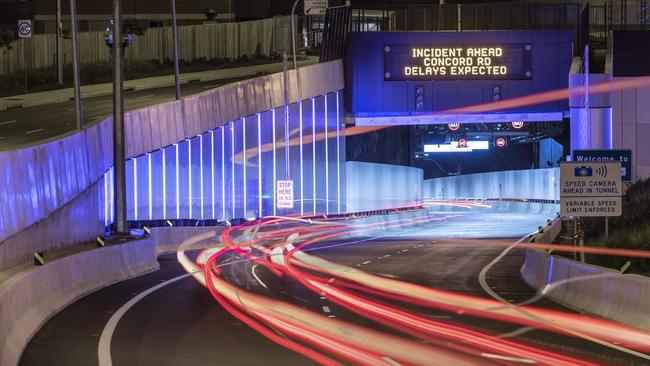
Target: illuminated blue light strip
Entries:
(189, 176)
(243, 122)
(149, 183)
(201, 170)
(106, 203)
(178, 183)
(214, 215)
(164, 184)
(275, 209)
(302, 195)
(135, 189)
(223, 172)
(259, 163)
(112, 195)
(550, 271)
(327, 166)
(338, 158)
(232, 165)
(313, 148)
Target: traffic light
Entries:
(496, 92)
(419, 97)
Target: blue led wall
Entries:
(230, 172)
(373, 91)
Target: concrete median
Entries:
(586, 288)
(30, 298)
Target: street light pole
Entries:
(293, 33)
(75, 64)
(177, 76)
(59, 50)
(119, 154)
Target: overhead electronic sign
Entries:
(511, 61)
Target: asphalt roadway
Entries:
(181, 324)
(23, 126)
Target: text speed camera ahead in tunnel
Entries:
(590, 189)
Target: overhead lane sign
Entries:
(590, 189)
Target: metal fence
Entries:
(265, 37)
(465, 17)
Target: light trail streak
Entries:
(290, 237)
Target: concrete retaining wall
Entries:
(33, 297)
(586, 288)
(539, 184)
(370, 186)
(37, 181)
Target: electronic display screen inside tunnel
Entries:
(457, 62)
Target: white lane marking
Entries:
(145, 96)
(33, 131)
(366, 262)
(345, 331)
(326, 309)
(257, 278)
(386, 256)
(489, 291)
(8, 122)
(104, 349)
(391, 361)
(506, 358)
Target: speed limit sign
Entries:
(24, 28)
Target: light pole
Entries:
(293, 33)
(119, 154)
(59, 51)
(177, 76)
(75, 64)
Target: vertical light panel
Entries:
(164, 184)
(275, 209)
(189, 176)
(313, 147)
(150, 190)
(135, 189)
(223, 172)
(112, 178)
(243, 122)
(178, 184)
(338, 158)
(201, 171)
(302, 179)
(106, 199)
(259, 164)
(232, 165)
(214, 214)
(327, 166)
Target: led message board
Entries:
(512, 61)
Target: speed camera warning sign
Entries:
(24, 28)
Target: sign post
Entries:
(315, 7)
(284, 194)
(622, 156)
(591, 189)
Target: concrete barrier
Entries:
(370, 186)
(31, 298)
(522, 184)
(586, 288)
